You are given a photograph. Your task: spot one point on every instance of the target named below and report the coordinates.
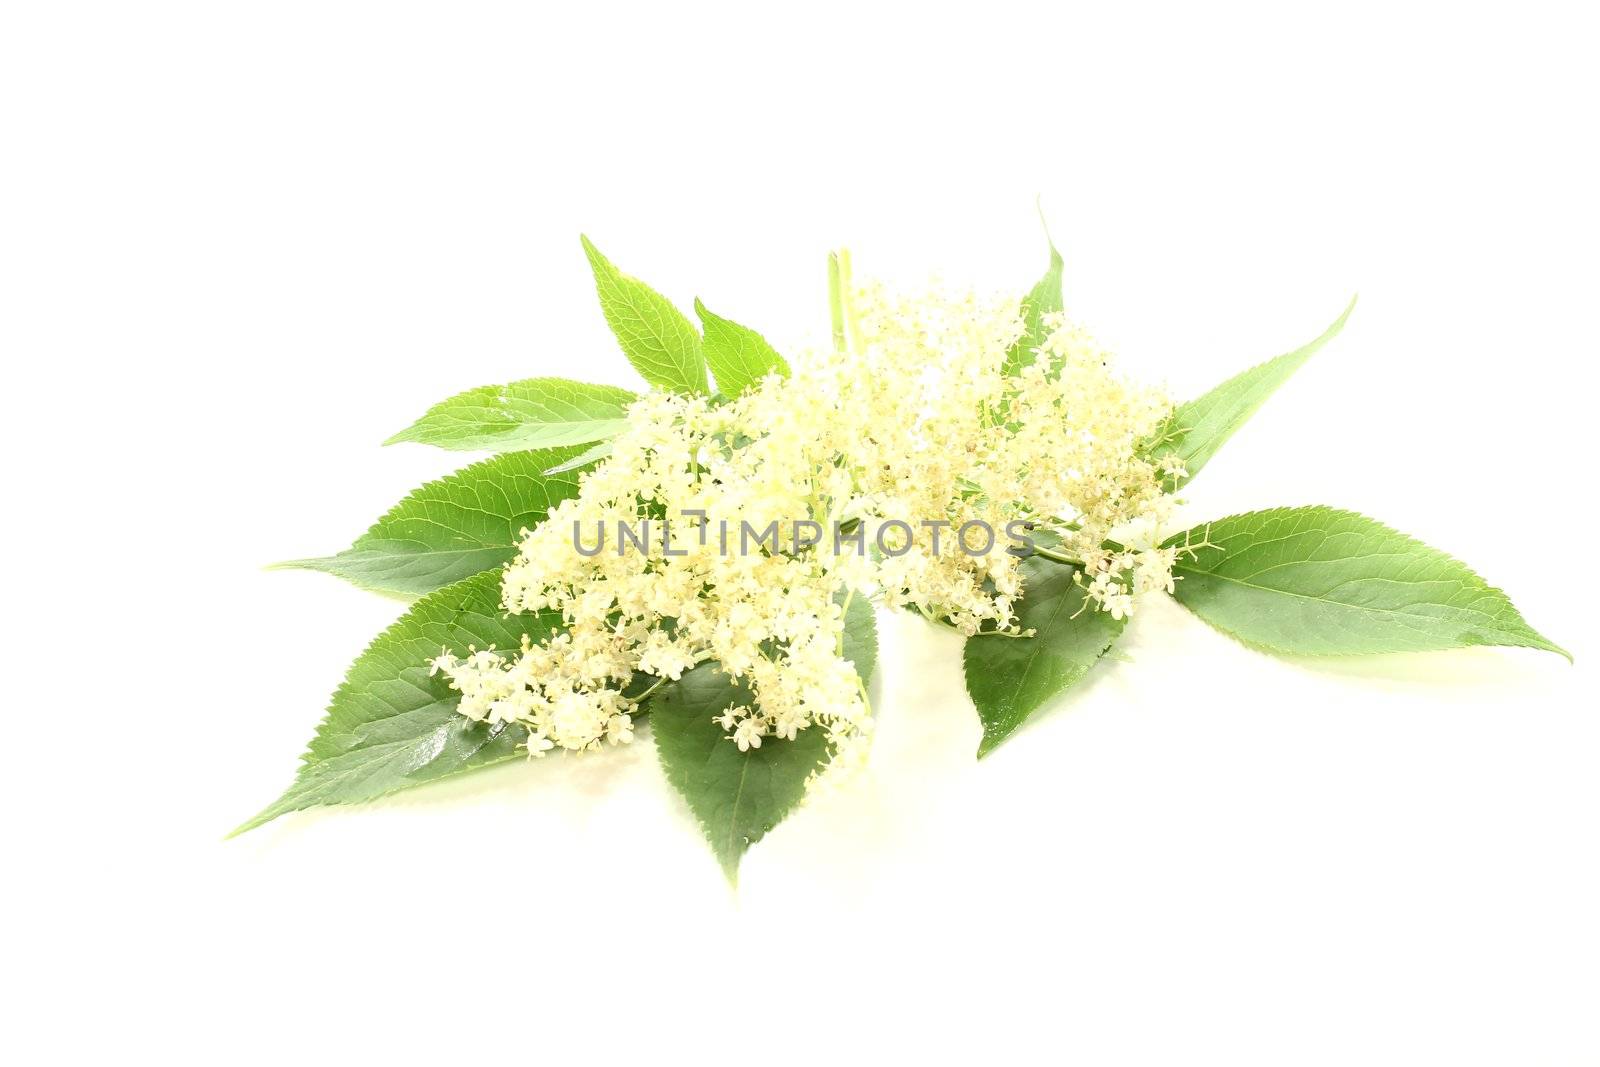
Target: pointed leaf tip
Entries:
(1318, 581)
(662, 345)
(391, 724)
(1196, 430)
(311, 563)
(738, 356)
(736, 796)
(1010, 679)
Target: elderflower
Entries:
(933, 434)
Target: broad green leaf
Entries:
(860, 636)
(1196, 430)
(737, 797)
(658, 340)
(1043, 298)
(391, 725)
(1010, 677)
(457, 526)
(701, 762)
(1317, 581)
(532, 413)
(739, 357)
(593, 455)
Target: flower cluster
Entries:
(931, 423)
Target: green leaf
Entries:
(1009, 678)
(1043, 298)
(739, 357)
(532, 413)
(391, 725)
(457, 526)
(738, 797)
(1316, 581)
(1195, 430)
(860, 635)
(656, 337)
(593, 455)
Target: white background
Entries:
(240, 244)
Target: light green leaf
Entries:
(739, 357)
(1316, 581)
(391, 725)
(532, 413)
(658, 340)
(860, 635)
(1043, 298)
(737, 797)
(1010, 677)
(457, 526)
(584, 459)
(1196, 430)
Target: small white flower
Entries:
(748, 735)
(619, 729)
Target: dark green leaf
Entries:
(738, 797)
(390, 724)
(1010, 677)
(1196, 430)
(457, 526)
(1317, 581)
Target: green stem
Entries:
(1072, 527)
(641, 697)
(839, 306)
(699, 658)
(836, 298)
(1058, 557)
(852, 331)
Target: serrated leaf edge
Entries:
(1346, 513)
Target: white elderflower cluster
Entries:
(1079, 429)
(913, 438)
